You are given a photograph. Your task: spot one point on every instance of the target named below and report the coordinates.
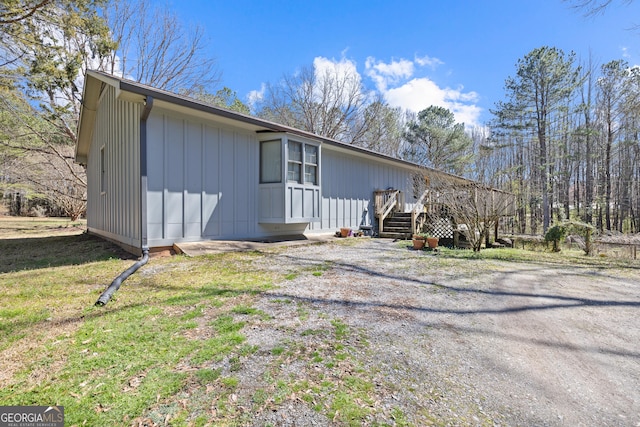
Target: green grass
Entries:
(111, 364)
(566, 257)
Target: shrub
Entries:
(555, 234)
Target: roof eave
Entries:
(96, 80)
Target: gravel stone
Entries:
(451, 342)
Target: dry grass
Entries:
(24, 227)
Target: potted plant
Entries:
(419, 240)
(432, 242)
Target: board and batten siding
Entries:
(348, 185)
(203, 183)
(113, 206)
(202, 180)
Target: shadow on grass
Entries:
(55, 251)
(560, 259)
(528, 299)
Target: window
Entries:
(103, 172)
(294, 166)
(300, 166)
(310, 164)
(271, 161)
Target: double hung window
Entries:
(294, 166)
(310, 164)
(302, 164)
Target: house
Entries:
(164, 169)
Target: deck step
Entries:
(398, 226)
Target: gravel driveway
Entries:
(459, 342)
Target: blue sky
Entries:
(456, 54)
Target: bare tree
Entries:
(332, 102)
(154, 48)
(587, 133)
(42, 52)
(382, 128)
(46, 55)
(594, 7)
(545, 80)
(610, 99)
(474, 208)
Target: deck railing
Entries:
(417, 219)
(386, 201)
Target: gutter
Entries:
(144, 245)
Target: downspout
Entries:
(144, 245)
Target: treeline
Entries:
(565, 141)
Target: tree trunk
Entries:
(588, 173)
(607, 175)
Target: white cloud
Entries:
(256, 96)
(384, 74)
(323, 65)
(330, 68)
(398, 83)
(344, 71)
(420, 93)
(402, 82)
(427, 61)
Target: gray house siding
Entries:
(113, 198)
(203, 183)
(202, 180)
(348, 184)
(203, 172)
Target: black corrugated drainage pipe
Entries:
(115, 285)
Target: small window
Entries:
(271, 161)
(103, 172)
(310, 164)
(294, 166)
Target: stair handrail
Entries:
(386, 209)
(414, 211)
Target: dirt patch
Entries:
(460, 342)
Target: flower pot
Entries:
(433, 242)
(344, 232)
(418, 243)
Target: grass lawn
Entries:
(107, 365)
(133, 361)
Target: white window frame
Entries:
(297, 163)
(304, 163)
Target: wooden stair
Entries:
(397, 226)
